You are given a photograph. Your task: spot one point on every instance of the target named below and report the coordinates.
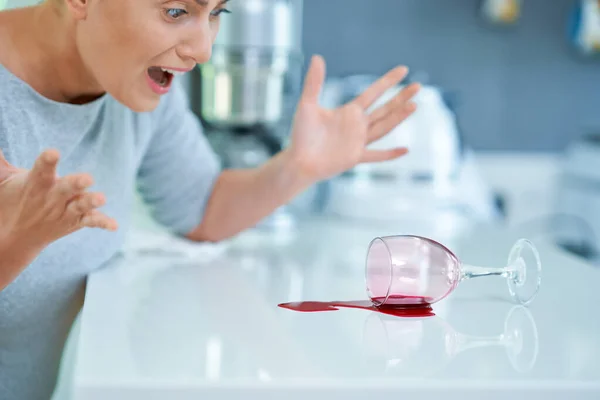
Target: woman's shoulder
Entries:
(9, 84)
(9, 21)
(14, 104)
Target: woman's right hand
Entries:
(38, 208)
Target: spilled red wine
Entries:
(411, 306)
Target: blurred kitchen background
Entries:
(520, 87)
(508, 127)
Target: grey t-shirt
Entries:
(163, 153)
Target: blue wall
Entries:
(521, 88)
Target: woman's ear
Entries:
(79, 8)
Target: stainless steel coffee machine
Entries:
(247, 93)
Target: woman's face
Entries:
(127, 44)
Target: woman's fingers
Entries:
(43, 173)
(395, 104)
(384, 125)
(387, 81)
(314, 80)
(69, 186)
(95, 219)
(83, 209)
(370, 156)
(84, 203)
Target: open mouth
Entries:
(160, 76)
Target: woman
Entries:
(89, 109)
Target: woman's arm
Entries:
(37, 208)
(241, 198)
(15, 256)
(324, 143)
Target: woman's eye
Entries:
(175, 12)
(220, 11)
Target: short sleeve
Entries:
(179, 168)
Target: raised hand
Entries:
(328, 142)
(37, 206)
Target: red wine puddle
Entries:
(405, 306)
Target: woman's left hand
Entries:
(325, 143)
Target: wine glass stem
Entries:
(472, 342)
(472, 271)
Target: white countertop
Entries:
(208, 326)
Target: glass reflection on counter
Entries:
(425, 346)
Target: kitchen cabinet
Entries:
(525, 181)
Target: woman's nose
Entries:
(198, 45)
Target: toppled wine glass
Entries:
(408, 270)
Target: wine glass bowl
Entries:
(408, 270)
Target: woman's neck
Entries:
(43, 52)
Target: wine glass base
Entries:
(525, 275)
(521, 332)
